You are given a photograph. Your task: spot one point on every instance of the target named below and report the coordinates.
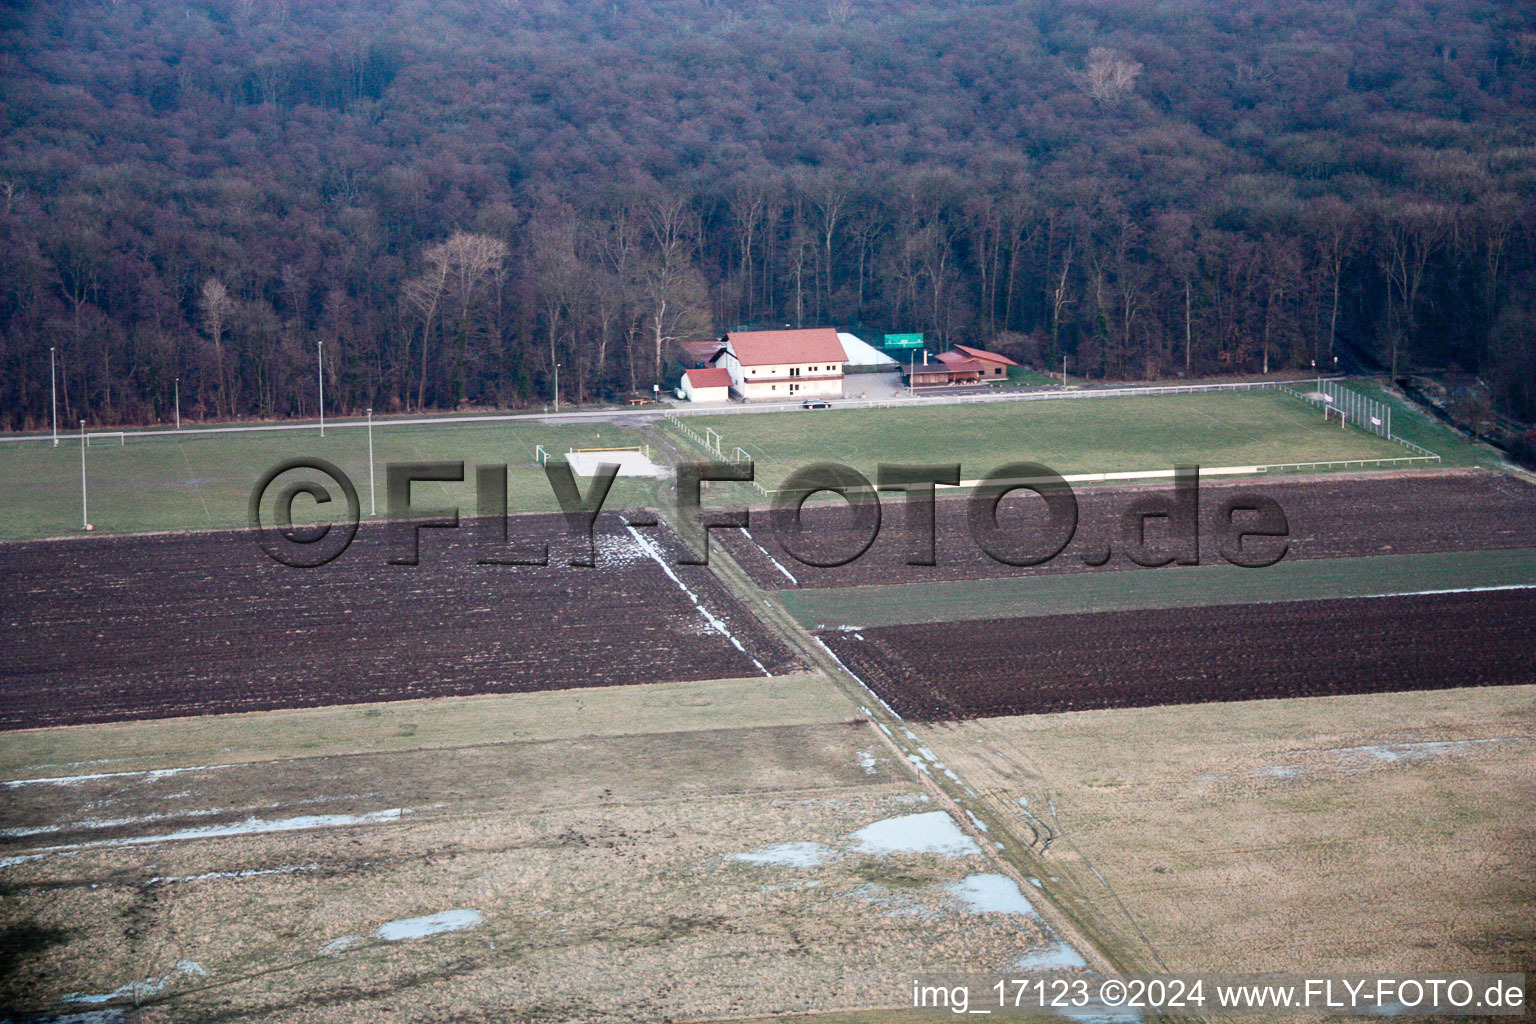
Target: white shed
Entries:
(711, 385)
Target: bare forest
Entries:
(455, 197)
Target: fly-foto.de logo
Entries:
(1154, 529)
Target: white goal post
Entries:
(111, 438)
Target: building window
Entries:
(794, 371)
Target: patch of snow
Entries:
(611, 550)
(789, 855)
(250, 826)
(153, 775)
(1059, 957)
(714, 622)
(894, 903)
(776, 564)
(981, 826)
(1035, 882)
(929, 832)
(992, 894)
(248, 873)
(341, 945)
(869, 762)
(431, 924)
(139, 989)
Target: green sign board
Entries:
(903, 341)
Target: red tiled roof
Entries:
(715, 377)
(981, 353)
(700, 350)
(959, 363)
(768, 348)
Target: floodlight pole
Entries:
(53, 391)
(557, 387)
(320, 375)
(373, 508)
(178, 403)
(85, 517)
(1063, 369)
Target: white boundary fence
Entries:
(676, 412)
(922, 401)
(1367, 414)
(711, 442)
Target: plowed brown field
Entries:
(1329, 517)
(1195, 655)
(102, 629)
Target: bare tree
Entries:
(457, 270)
(216, 306)
(670, 279)
(1411, 238)
(1110, 76)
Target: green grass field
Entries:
(199, 480)
(1070, 436)
(906, 604)
(1412, 423)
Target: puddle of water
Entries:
(148, 987)
(789, 855)
(992, 894)
(341, 945)
(432, 924)
(1059, 957)
(929, 832)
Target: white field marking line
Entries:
(149, 775)
(251, 826)
(1166, 474)
(1450, 590)
(192, 475)
(1139, 474)
(775, 561)
(719, 626)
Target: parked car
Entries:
(815, 403)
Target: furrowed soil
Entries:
(193, 624)
(1195, 655)
(1328, 517)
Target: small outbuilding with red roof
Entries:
(992, 364)
(708, 385)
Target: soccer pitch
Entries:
(203, 480)
(1088, 435)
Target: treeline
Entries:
(456, 198)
